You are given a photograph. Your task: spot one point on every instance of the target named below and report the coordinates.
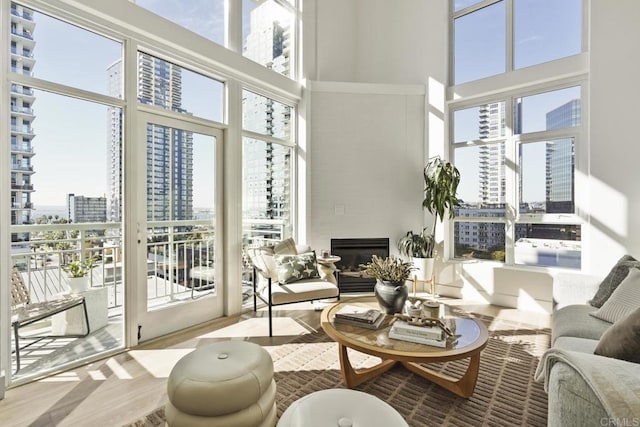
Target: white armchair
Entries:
(286, 273)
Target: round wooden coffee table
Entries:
(470, 337)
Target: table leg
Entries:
(462, 386)
(353, 377)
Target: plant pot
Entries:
(391, 296)
(78, 284)
(423, 268)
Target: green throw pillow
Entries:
(292, 268)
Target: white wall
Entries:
(614, 185)
(376, 41)
(366, 156)
(366, 114)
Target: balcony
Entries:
(21, 110)
(22, 187)
(26, 15)
(21, 90)
(21, 148)
(21, 168)
(26, 130)
(23, 34)
(176, 250)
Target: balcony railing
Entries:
(27, 187)
(22, 148)
(22, 34)
(174, 249)
(18, 167)
(21, 90)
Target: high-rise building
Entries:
(491, 171)
(169, 151)
(560, 161)
(269, 41)
(114, 148)
(267, 165)
(22, 117)
(86, 209)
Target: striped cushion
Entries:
(623, 301)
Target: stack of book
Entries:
(363, 317)
(429, 335)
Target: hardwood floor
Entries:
(123, 388)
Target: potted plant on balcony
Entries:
(391, 274)
(419, 248)
(77, 271)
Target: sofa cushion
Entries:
(574, 321)
(613, 279)
(262, 258)
(582, 345)
(285, 247)
(622, 340)
(292, 268)
(302, 290)
(624, 299)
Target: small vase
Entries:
(391, 296)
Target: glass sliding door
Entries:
(183, 263)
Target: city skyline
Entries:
(47, 179)
(58, 175)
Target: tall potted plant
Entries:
(441, 179)
(419, 248)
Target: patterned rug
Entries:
(505, 392)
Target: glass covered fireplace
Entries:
(354, 252)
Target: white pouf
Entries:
(340, 408)
(224, 384)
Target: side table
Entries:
(431, 282)
(327, 266)
(71, 322)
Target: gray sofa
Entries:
(585, 389)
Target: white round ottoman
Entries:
(340, 408)
(223, 384)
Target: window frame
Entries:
(509, 38)
(512, 143)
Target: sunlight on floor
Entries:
(118, 370)
(63, 377)
(158, 363)
(259, 327)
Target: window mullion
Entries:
(509, 34)
(511, 183)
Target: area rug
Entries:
(505, 392)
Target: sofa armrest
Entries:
(574, 288)
(592, 386)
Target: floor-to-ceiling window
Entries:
(132, 115)
(61, 111)
(267, 194)
(517, 134)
